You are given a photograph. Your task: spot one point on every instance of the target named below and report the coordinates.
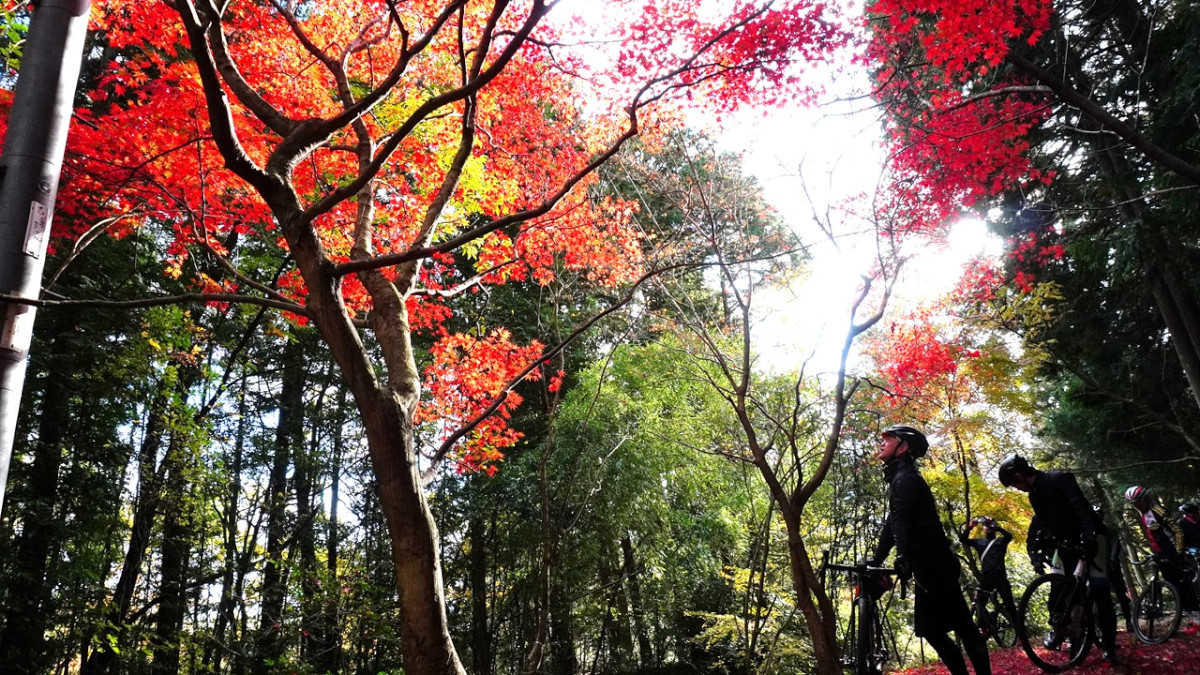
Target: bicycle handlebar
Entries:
(862, 568)
(861, 571)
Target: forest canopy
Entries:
(426, 337)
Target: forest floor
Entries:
(1178, 656)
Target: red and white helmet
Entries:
(1136, 492)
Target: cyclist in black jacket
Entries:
(914, 529)
(1062, 510)
(993, 572)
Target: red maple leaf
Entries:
(1178, 656)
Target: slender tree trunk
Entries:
(330, 661)
(562, 647)
(23, 642)
(754, 616)
(215, 650)
(269, 642)
(622, 637)
(312, 642)
(645, 656)
(173, 567)
(477, 562)
(145, 512)
(1177, 308)
(536, 655)
(813, 603)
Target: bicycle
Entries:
(1157, 609)
(1063, 604)
(864, 650)
(992, 618)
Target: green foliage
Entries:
(14, 25)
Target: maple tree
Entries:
(395, 156)
(958, 380)
(1064, 114)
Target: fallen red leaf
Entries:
(1179, 656)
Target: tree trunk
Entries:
(477, 562)
(425, 633)
(645, 656)
(330, 661)
(176, 546)
(269, 643)
(536, 655)
(215, 650)
(312, 640)
(620, 636)
(562, 646)
(814, 604)
(1177, 308)
(145, 511)
(387, 416)
(22, 644)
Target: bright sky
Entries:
(838, 155)
(836, 150)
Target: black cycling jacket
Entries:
(991, 552)
(1062, 510)
(912, 524)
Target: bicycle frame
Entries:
(1061, 603)
(991, 617)
(866, 625)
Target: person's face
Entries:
(1022, 482)
(890, 447)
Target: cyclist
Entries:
(1063, 512)
(993, 574)
(914, 529)
(1116, 577)
(1189, 525)
(1164, 535)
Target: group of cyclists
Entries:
(1066, 533)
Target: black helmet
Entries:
(1012, 465)
(1189, 508)
(918, 445)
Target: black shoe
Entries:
(1110, 657)
(1052, 642)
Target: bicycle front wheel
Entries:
(864, 659)
(1054, 623)
(1156, 612)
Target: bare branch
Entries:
(183, 298)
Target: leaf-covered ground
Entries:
(1179, 656)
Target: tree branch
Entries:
(180, 299)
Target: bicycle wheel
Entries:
(1054, 623)
(864, 656)
(1157, 612)
(1002, 629)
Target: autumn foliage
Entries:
(957, 125)
(142, 152)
